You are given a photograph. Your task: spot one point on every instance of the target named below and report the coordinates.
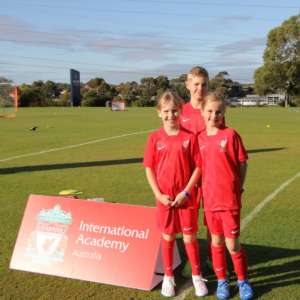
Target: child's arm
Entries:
(243, 171)
(164, 199)
(181, 197)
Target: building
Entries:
(255, 100)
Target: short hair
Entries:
(166, 97)
(213, 96)
(198, 71)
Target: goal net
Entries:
(117, 105)
(8, 99)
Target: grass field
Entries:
(113, 169)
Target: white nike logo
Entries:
(184, 120)
(187, 228)
(220, 269)
(202, 147)
(233, 232)
(159, 148)
(169, 268)
(198, 266)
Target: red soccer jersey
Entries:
(192, 120)
(173, 159)
(221, 154)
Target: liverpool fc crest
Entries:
(49, 240)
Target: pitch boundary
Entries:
(79, 145)
(189, 285)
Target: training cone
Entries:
(268, 125)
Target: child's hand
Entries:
(179, 200)
(165, 199)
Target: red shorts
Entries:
(176, 219)
(225, 222)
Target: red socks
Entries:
(167, 255)
(192, 250)
(219, 258)
(240, 264)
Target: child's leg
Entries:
(219, 256)
(167, 246)
(239, 258)
(192, 250)
(209, 253)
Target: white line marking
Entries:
(79, 145)
(186, 288)
(262, 204)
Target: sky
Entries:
(126, 40)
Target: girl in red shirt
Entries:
(224, 167)
(173, 166)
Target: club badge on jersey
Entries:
(185, 145)
(223, 146)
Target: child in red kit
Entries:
(224, 170)
(172, 160)
(191, 119)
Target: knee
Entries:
(189, 238)
(218, 240)
(233, 247)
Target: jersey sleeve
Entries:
(196, 152)
(240, 149)
(149, 157)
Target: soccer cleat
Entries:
(168, 286)
(223, 289)
(210, 265)
(200, 286)
(187, 271)
(246, 292)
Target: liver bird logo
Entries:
(223, 146)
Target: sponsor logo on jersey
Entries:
(223, 146)
(184, 120)
(202, 147)
(233, 232)
(185, 145)
(159, 148)
(48, 242)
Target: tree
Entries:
(281, 67)
(30, 97)
(162, 82)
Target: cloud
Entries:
(243, 46)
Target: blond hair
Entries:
(196, 72)
(213, 96)
(166, 97)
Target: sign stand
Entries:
(94, 241)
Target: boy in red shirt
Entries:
(224, 170)
(191, 119)
(172, 160)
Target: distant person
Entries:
(191, 119)
(224, 168)
(173, 166)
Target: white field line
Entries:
(186, 288)
(79, 145)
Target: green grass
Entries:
(113, 170)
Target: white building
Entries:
(252, 100)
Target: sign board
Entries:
(75, 88)
(94, 241)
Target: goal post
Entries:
(117, 105)
(8, 99)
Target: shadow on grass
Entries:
(270, 268)
(264, 150)
(70, 166)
